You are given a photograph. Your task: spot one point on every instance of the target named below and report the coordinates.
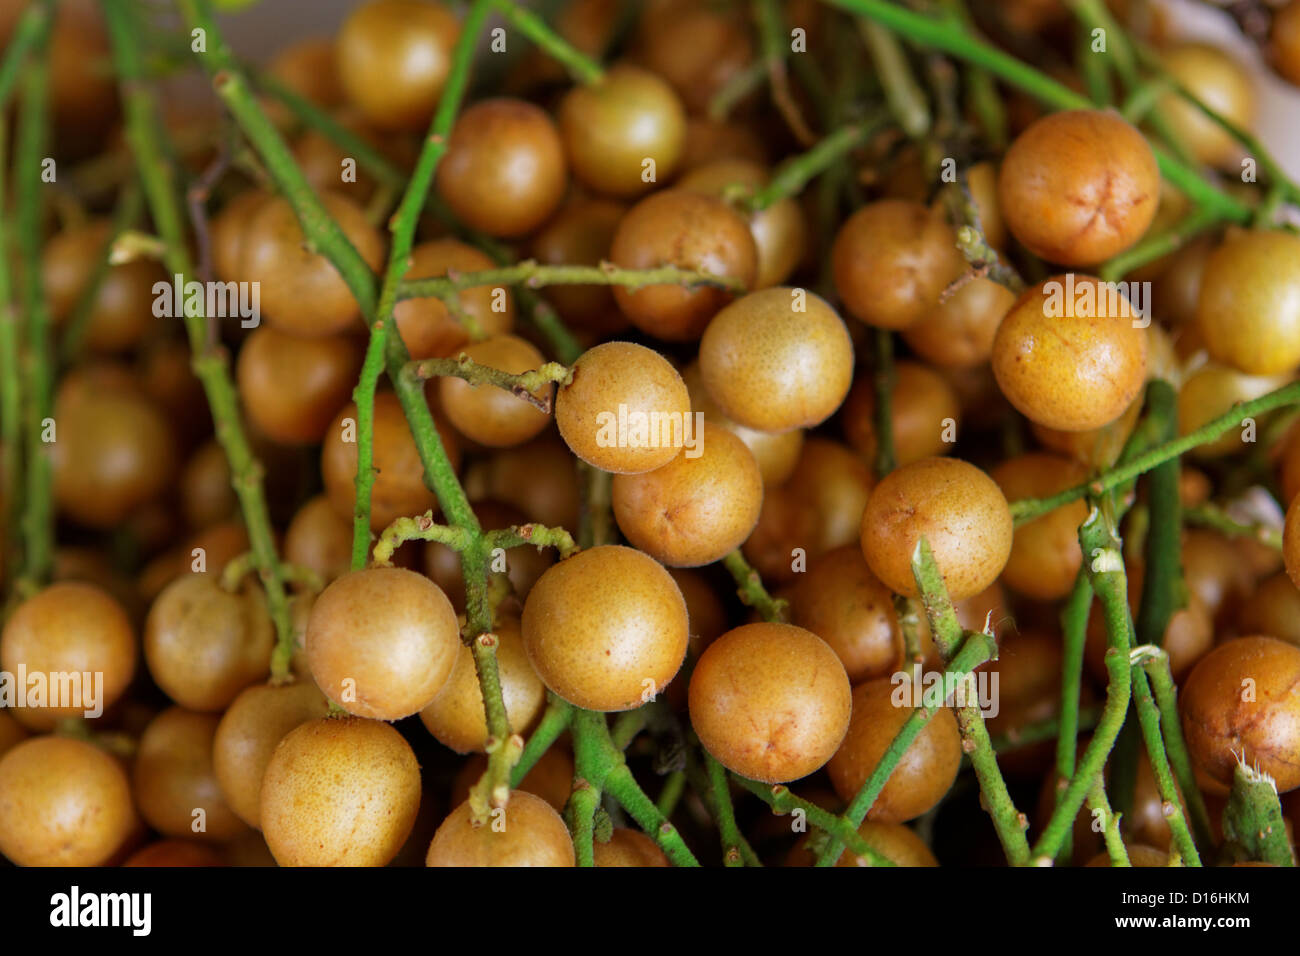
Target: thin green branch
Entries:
(522, 385)
(726, 814)
(535, 276)
(791, 177)
(783, 802)
(582, 67)
(554, 722)
(882, 385)
(751, 590)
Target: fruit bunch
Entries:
(666, 433)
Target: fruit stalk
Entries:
(29, 34)
(1026, 509)
(724, 813)
(1102, 557)
(555, 720)
(790, 179)
(210, 364)
(1210, 515)
(751, 591)
(1074, 628)
(522, 385)
(1110, 821)
(1149, 718)
(582, 67)
(30, 145)
(530, 273)
(125, 213)
(1252, 822)
(783, 802)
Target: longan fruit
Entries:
(489, 415)
(696, 509)
(607, 379)
(301, 292)
(581, 233)
(255, 722)
(1213, 390)
(959, 331)
(339, 792)
(226, 232)
(957, 508)
(399, 489)
(777, 359)
(427, 327)
(1070, 360)
(393, 58)
(627, 847)
(70, 628)
(925, 772)
(12, 733)
(173, 779)
(115, 451)
(171, 853)
(538, 478)
(1218, 81)
(897, 842)
(1241, 703)
(551, 778)
(206, 494)
(1045, 553)
(456, 716)
(613, 126)
(676, 227)
(319, 540)
(504, 171)
(891, 261)
(63, 802)
(770, 701)
(780, 230)
(924, 413)
(604, 627)
(1097, 448)
(843, 603)
(523, 564)
(1249, 306)
(1138, 855)
(204, 644)
(777, 453)
(530, 834)
(1079, 186)
(698, 49)
(1274, 609)
(291, 387)
(1284, 40)
(382, 642)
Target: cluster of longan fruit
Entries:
(768, 449)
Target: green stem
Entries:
(522, 385)
(726, 814)
(159, 178)
(1252, 822)
(534, 275)
(29, 34)
(950, 36)
(127, 211)
(751, 590)
(1110, 823)
(1172, 803)
(795, 173)
(1027, 509)
(783, 802)
(903, 93)
(1152, 248)
(1102, 556)
(1210, 515)
(31, 141)
(555, 721)
(1074, 626)
(580, 66)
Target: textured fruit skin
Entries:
(628, 847)
(606, 626)
(891, 261)
(382, 642)
(896, 841)
(777, 453)
(1221, 727)
(456, 716)
(924, 773)
(692, 511)
(340, 792)
(255, 722)
(770, 701)
(1210, 391)
(73, 628)
(611, 127)
(1285, 41)
(1070, 372)
(63, 802)
(841, 601)
(291, 387)
(923, 407)
(427, 327)
(1222, 84)
(173, 777)
(175, 853)
(393, 58)
(958, 332)
(679, 228)
(504, 171)
(1045, 553)
(610, 375)
(399, 488)
(489, 415)
(959, 510)
(533, 834)
(1249, 305)
(1079, 186)
(204, 644)
(772, 368)
(301, 293)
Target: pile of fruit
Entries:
(641, 433)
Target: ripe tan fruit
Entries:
(770, 701)
(63, 802)
(606, 629)
(530, 834)
(696, 509)
(340, 792)
(382, 642)
(957, 508)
